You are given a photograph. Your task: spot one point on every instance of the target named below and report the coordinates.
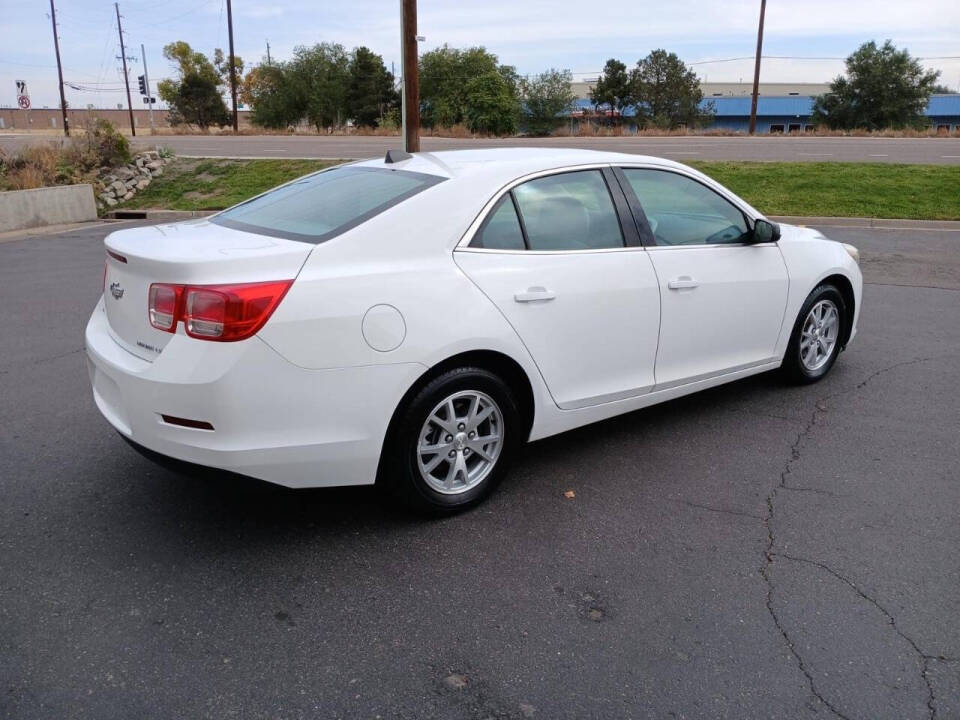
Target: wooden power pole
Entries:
(233, 69)
(411, 77)
(56, 48)
(126, 78)
(756, 70)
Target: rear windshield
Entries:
(320, 206)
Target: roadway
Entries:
(940, 151)
(754, 551)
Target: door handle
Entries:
(534, 294)
(682, 283)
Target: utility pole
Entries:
(56, 47)
(233, 69)
(411, 80)
(126, 78)
(146, 81)
(756, 70)
(268, 52)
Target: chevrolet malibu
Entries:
(412, 321)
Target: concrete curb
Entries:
(878, 223)
(159, 215)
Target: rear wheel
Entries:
(817, 332)
(453, 441)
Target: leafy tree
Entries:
(615, 87)
(491, 104)
(319, 76)
(939, 89)
(370, 92)
(222, 64)
(444, 74)
(271, 95)
(546, 97)
(667, 92)
(194, 97)
(884, 88)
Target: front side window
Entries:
(320, 206)
(682, 211)
(570, 211)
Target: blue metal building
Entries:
(784, 114)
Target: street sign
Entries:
(23, 96)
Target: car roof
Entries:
(501, 165)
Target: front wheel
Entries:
(452, 442)
(817, 333)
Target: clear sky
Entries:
(533, 35)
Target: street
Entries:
(938, 151)
(754, 551)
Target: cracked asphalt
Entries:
(754, 551)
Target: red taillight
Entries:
(215, 312)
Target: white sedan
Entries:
(413, 320)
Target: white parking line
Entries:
(682, 152)
(872, 155)
(950, 156)
(816, 154)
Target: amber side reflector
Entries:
(186, 422)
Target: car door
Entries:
(560, 257)
(722, 295)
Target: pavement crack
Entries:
(925, 658)
(724, 511)
(796, 449)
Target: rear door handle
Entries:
(534, 294)
(682, 282)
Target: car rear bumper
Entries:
(271, 419)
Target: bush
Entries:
(105, 143)
(60, 163)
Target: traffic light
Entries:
(143, 84)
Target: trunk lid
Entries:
(196, 252)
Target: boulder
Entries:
(123, 173)
(142, 185)
(158, 172)
(154, 165)
(128, 196)
(110, 201)
(105, 196)
(118, 187)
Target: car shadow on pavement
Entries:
(195, 494)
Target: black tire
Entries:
(793, 366)
(399, 469)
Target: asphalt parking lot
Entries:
(755, 551)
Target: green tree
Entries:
(194, 96)
(884, 88)
(221, 63)
(444, 74)
(272, 96)
(370, 92)
(667, 92)
(491, 104)
(319, 76)
(546, 98)
(614, 88)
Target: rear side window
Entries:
(501, 230)
(569, 211)
(320, 206)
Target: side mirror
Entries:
(765, 231)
